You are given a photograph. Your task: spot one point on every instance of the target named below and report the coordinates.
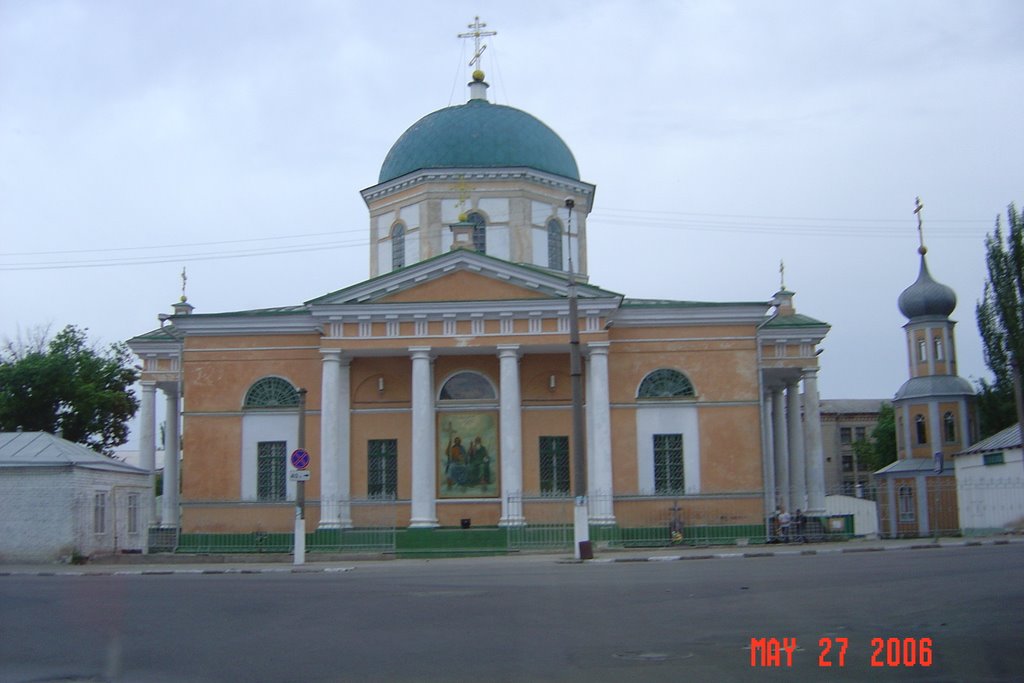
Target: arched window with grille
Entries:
(269, 426)
(397, 246)
(555, 244)
(666, 383)
(272, 392)
(479, 232)
(922, 432)
(949, 427)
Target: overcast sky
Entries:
(233, 137)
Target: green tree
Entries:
(880, 450)
(1000, 316)
(67, 386)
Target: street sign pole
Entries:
(300, 489)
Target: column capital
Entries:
(810, 372)
(598, 348)
(508, 350)
(422, 352)
(148, 385)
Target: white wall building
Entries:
(990, 483)
(58, 499)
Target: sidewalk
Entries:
(176, 564)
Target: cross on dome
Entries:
(918, 206)
(476, 34)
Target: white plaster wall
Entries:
(990, 496)
(667, 419)
(865, 513)
(410, 215)
(412, 247)
(258, 427)
(47, 513)
(384, 223)
(540, 247)
(540, 213)
(498, 243)
(496, 209)
(450, 210)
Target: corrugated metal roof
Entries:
(1008, 438)
(41, 449)
(911, 465)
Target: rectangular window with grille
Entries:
(270, 470)
(133, 513)
(554, 465)
(845, 435)
(906, 504)
(668, 463)
(382, 468)
(99, 513)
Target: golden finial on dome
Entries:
(478, 76)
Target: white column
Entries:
(170, 517)
(768, 453)
(511, 428)
(424, 470)
(147, 440)
(600, 488)
(797, 477)
(344, 443)
(815, 453)
(330, 438)
(780, 449)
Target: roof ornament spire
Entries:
(782, 275)
(477, 86)
(184, 280)
(918, 206)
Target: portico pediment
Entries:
(459, 276)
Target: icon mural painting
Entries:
(467, 455)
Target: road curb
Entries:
(809, 551)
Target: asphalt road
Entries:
(533, 619)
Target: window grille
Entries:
(906, 502)
(860, 434)
(994, 458)
(668, 463)
(465, 386)
(554, 244)
(554, 465)
(272, 392)
(133, 513)
(665, 383)
(922, 434)
(949, 427)
(99, 513)
(397, 246)
(479, 232)
(382, 468)
(845, 435)
(270, 470)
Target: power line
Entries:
(604, 218)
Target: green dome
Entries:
(479, 134)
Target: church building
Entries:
(438, 390)
(935, 414)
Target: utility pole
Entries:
(300, 489)
(581, 524)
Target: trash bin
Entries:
(466, 522)
(586, 550)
